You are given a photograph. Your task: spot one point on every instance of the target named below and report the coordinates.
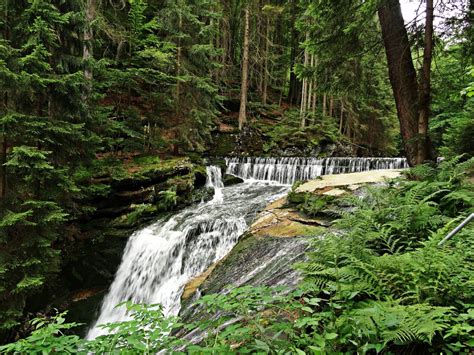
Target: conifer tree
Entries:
(43, 122)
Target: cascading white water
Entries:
(159, 259)
(289, 170)
(214, 179)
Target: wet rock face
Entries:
(254, 261)
(230, 180)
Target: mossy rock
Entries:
(147, 170)
(290, 229)
(230, 180)
(200, 176)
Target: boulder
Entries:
(230, 180)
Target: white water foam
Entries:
(160, 259)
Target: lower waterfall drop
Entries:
(160, 259)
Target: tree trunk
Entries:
(324, 104)
(341, 118)
(425, 149)
(245, 69)
(265, 66)
(315, 85)
(403, 80)
(87, 47)
(304, 90)
(178, 61)
(293, 84)
(331, 106)
(87, 52)
(311, 84)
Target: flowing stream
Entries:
(161, 258)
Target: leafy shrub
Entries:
(167, 198)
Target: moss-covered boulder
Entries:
(230, 180)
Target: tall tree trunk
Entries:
(425, 147)
(315, 85)
(245, 69)
(324, 104)
(331, 106)
(293, 84)
(403, 80)
(88, 45)
(178, 61)
(311, 84)
(341, 118)
(87, 52)
(265, 66)
(304, 90)
(224, 45)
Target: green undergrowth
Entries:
(287, 133)
(377, 283)
(313, 205)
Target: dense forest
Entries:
(111, 110)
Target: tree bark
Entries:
(245, 69)
(293, 84)
(404, 81)
(425, 147)
(304, 90)
(178, 61)
(87, 52)
(265, 66)
(341, 117)
(315, 85)
(311, 85)
(88, 45)
(324, 104)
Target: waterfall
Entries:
(288, 170)
(161, 258)
(214, 179)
